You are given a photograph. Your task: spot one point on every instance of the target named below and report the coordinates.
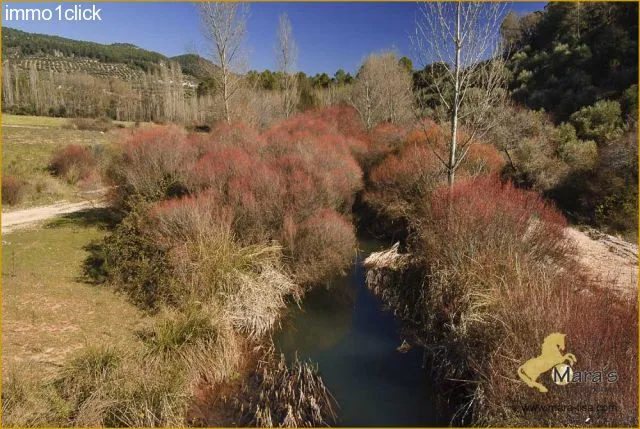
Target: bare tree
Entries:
(382, 90)
(287, 55)
(7, 87)
(462, 38)
(224, 24)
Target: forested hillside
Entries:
(573, 54)
(19, 44)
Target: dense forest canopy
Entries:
(572, 54)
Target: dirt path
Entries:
(23, 218)
(33, 127)
(611, 261)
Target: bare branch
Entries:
(224, 25)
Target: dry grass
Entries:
(49, 314)
(47, 121)
(48, 310)
(114, 388)
(499, 277)
(287, 395)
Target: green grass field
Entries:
(49, 310)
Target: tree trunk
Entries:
(225, 95)
(454, 111)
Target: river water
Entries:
(344, 329)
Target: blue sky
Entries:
(329, 35)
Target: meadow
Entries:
(28, 145)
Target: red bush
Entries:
(12, 190)
(483, 216)
(306, 145)
(416, 168)
(339, 123)
(324, 246)
(272, 185)
(154, 164)
(482, 158)
(237, 134)
(73, 163)
(180, 218)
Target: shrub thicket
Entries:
(413, 170)
(72, 163)
(12, 190)
(601, 122)
(592, 181)
(267, 184)
(498, 275)
(103, 124)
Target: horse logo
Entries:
(552, 348)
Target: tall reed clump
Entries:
(287, 395)
(498, 277)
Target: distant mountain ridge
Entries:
(124, 60)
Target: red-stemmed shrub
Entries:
(73, 163)
(324, 245)
(483, 216)
(12, 190)
(279, 185)
(416, 168)
(153, 164)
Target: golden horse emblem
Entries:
(552, 348)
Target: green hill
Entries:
(195, 65)
(122, 60)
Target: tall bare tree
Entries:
(7, 86)
(224, 24)
(382, 90)
(287, 56)
(462, 38)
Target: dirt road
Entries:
(22, 218)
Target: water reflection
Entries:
(344, 330)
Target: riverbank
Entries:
(484, 293)
(343, 328)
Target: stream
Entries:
(345, 331)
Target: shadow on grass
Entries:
(101, 217)
(105, 218)
(93, 267)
